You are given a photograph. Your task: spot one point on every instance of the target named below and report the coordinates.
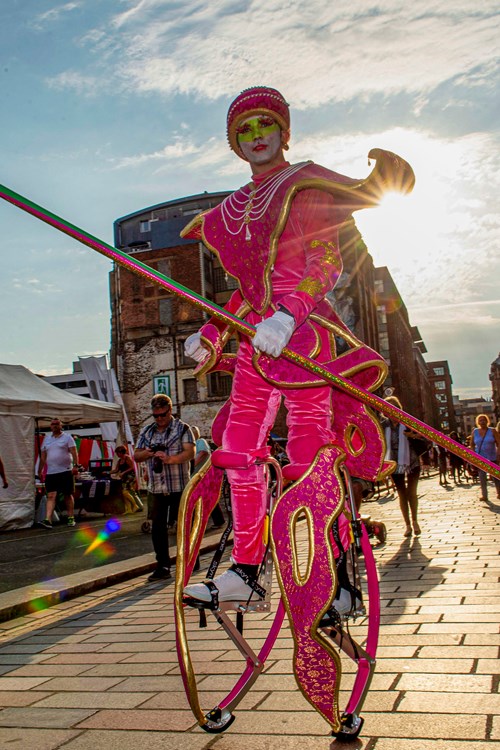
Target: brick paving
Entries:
(100, 671)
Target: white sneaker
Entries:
(230, 586)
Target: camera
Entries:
(157, 462)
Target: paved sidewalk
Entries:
(100, 672)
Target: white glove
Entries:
(194, 348)
(274, 334)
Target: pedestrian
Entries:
(404, 447)
(125, 470)
(167, 447)
(279, 452)
(281, 245)
(443, 465)
(486, 442)
(3, 475)
(60, 456)
(434, 455)
(456, 462)
(202, 455)
(425, 462)
(202, 450)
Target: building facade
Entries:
(466, 411)
(495, 386)
(441, 384)
(75, 383)
(425, 406)
(353, 297)
(402, 348)
(150, 325)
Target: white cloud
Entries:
(80, 83)
(386, 62)
(468, 342)
(464, 393)
(183, 152)
(179, 149)
(316, 52)
(53, 14)
(35, 286)
(484, 314)
(440, 242)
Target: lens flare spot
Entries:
(96, 543)
(112, 525)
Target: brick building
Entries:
(402, 348)
(150, 325)
(425, 407)
(441, 382)
(353, 297)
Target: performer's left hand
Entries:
(194, 348)
(274, 334)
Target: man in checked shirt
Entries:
(167, 445)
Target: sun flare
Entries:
(425, 238)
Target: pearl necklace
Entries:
(255, 202)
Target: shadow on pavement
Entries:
(415, 568)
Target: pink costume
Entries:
(278, 237)
(285, 255)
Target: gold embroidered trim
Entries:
(312, 286)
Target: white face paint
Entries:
(259, 139)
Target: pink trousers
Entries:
(254, 405)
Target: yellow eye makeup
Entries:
(256, 127)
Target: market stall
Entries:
(26, 401)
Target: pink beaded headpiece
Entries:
(256, 101)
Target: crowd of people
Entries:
(454, 470)
(171, 451)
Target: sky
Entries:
(110, 106)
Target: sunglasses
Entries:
(161, 413)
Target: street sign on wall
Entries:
(161, 384)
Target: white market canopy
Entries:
(23, 393)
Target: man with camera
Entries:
(168, 446)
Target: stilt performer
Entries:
(278, 237)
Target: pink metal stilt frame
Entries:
(193, 515)
(192, 520)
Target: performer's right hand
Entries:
(194, 348)
(274, 333)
